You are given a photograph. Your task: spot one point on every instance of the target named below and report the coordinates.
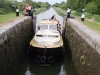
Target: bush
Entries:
(2, 12)
(91, 8)
(97, 18)
(79, 10)
(88, 15)
(77, 13)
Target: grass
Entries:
(91, 20)
(10, 16)
(76, 14)
(7, 17)
(93, 25)
(59, 11)
(62, 10)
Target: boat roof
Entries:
(48, 22)
(47, 32)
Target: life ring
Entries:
(37, 59)
(43, 59)
(51, 59)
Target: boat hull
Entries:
(52, 54)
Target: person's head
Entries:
(55, 19)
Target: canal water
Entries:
(63, 66)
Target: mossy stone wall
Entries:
(84, 46)
(14, 41)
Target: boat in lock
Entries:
(46, 45)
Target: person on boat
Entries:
(55, 19)
(52, 17)
(59, 28)
(57, 24)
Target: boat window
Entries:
(41, 35)
(53, 27)
(52, 36)
(44, 27)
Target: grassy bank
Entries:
(91, 20)
(39, 10)
(11, 16)
(88, 16)
(7, 17)
(59, 11)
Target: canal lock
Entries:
(14, 43)
(62, 67)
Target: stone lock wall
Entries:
(14, 38)
(85, 47)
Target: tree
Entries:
(62, 4)
(27, 1)
(91, 7)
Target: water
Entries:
(62, 67)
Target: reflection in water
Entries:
(69, 66)
(28, 71)
(62, 71)
(62, 67)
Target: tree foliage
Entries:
(7, 6)
(91, 6)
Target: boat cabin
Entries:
(46, 24)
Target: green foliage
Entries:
(4, 7)
(77, 13)
(2, 12)
(91, 20)
(91, 8)
(7, 6)
(36, 5)
(61, 5)
(93, 16)
(39, 10)
(56, 5)
(7, 17)
(59, 11)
